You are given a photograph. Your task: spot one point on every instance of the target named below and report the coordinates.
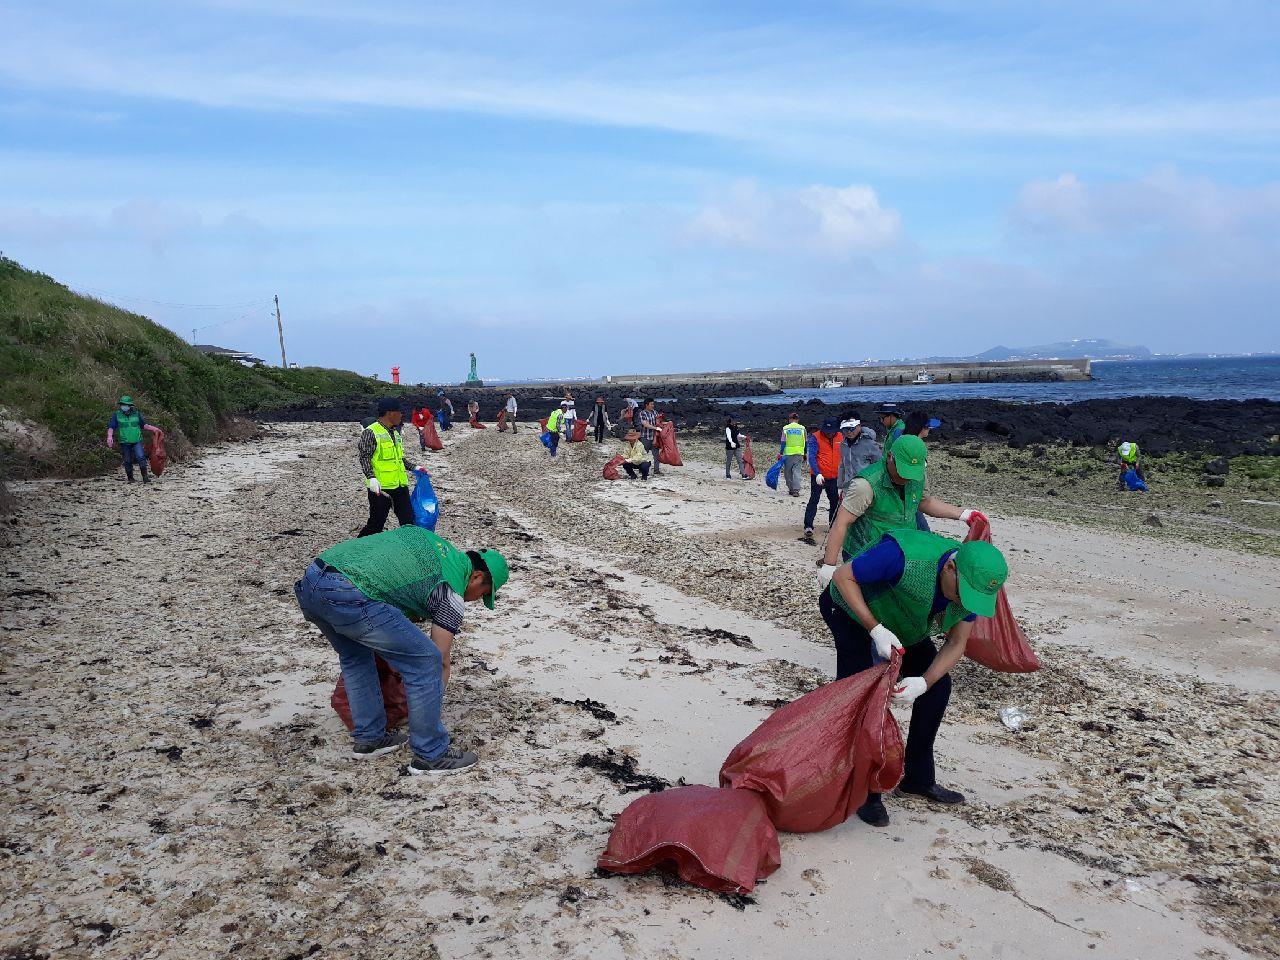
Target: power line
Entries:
(166, 303)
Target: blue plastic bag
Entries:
(546, 439)
(771, 478)
(426, 505)
(1132, 480)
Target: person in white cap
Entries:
(858, 451)
(1130, 459)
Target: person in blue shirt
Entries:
(895, 595)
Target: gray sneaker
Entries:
(376, 748)
(451, 761)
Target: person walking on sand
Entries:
(894, 425)
(599, 421)
(513, 409)
(647, 424)
(365, 596)
(570, 415)
(445, 413)
(733, 449)
(858, 451)
(896, 595)
(791, 452)
(382, 461)
(555, 423)
(822, 451)
(635, 458)
(883, 497)
(420, 419)
(126, 425)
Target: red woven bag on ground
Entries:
(610, 471)
(748, 462)
(393, 697)
(815, 760)
(998, 642)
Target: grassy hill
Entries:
(65, 359)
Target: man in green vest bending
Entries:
(382, 460)
(363, 595)
(126, 425)
(897, 594)
(882, 497)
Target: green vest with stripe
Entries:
(793, 435)
(890, 509)
(129, 426)
(388, 458)
(401, 567)
(906, 607)
(894, 433)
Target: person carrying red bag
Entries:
(897, 594)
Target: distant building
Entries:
(239, 356)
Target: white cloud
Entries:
(833, 221)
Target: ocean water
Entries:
(1216, 379)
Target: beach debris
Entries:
(1013, 718)
(593, 707)
(621, 769)
(1153, 521)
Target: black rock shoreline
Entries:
(1160, 425)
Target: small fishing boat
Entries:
(832, 384)
(923, 377)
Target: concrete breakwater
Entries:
(793, 378)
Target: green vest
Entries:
(553, 421)
(793, 434)
(401, 567)
(388, 458)
(889, 510)
(894, 433)
(906, 607)
(129, 426)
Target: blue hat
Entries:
(934, 423)
(831, 424)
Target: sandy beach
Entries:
(177, 784)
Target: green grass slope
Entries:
(65, 359)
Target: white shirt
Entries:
(511, 405)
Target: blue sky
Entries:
(592, 188)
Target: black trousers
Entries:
(816, 490)
(380, 506)
(600, 430)
(854, 650)
(634, 468)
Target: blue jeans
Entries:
(358, 627)
(133, 453)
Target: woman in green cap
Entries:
(882, 497)
(896, 595)
(364, 595)
(126, 425)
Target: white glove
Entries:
(374, 486)
(965, 515)
(818, 478)
(825, 573)
(905, 693)
(886, 641)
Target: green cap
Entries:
(909, 454)
(498, 571)
(128, 400)
(982, 572)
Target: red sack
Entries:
(392, 696)
(748, 462)
(668, 452)
(611, 468)
(158, 458)
(477, 425)
(999, 642)
(579, 431)
(627, 415)
(543, 424)
(815, 760)
(502, 420)
(430, 435)
(718, 839)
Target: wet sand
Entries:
(178, 785)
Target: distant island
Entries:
(1067, 350)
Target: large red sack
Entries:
(718, 839)
(430, 435)
(999, 642)
(610, 471)
(815, 760)
(748, 462)
(668, 452)
(392, 696)
(502, 420)
(628, 415)
(158, 458)
(477, 425)
(579, 431)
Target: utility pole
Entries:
(284, 364)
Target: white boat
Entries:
(832, 384)
(923, 377)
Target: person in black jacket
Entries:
(732, 449)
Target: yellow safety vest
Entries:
(793, 433)
(388, 458)
(553, 421)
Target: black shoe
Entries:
(451, 761)
(935, 793)
(389, 742)
(873, 812)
